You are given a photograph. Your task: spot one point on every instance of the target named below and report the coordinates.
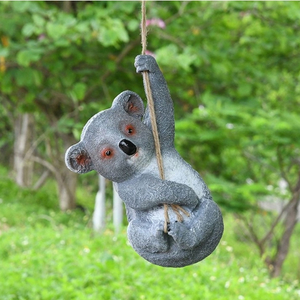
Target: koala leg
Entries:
(204, 224)
(148, 237)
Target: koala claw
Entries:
(176, 230)
(170, 227)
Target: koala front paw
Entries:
(145, 63)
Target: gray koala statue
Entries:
(118, 143)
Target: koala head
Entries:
(115, 142)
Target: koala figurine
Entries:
(118, 143)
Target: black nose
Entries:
(127, 147)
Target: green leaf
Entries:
(79, 90)
(56, 31)
(27, 77)
(25, 57)
(83, 27)
(37, 78)
(62, 42)
(7, 83)
(4, 51)
(76, 133)
(29, 97)
(38, 20)
(166, 55)
(68, 79)
(28, 30)
(244, 89)
(21, 6)
(112, 33)
(133, 25)
(187, 58)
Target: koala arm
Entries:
(163, 103)
(146, 191)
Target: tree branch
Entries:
(281, 168)
(253, 235)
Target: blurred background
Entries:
(234, 76)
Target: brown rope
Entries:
(150, 101)
(152, 111)
(144, 28)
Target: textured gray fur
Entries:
(118, 143)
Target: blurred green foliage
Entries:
(232, 69)
(48, 255)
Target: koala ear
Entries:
(78, 160)
(131, 103)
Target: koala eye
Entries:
(107, 153)
(129, 129)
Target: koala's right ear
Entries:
(78, 160)
(131, 103)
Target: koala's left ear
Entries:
(78, 160)
(131, 103)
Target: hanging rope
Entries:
(150, 101)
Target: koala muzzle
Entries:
(127, 147)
